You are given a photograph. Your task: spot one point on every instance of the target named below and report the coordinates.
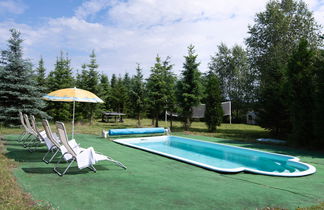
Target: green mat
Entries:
(155, 182)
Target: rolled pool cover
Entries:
(130, 131)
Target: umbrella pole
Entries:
(73, 120)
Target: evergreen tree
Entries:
(189, 87)
(113, 81)
(40, 74)
(137, 95)
(92, 86)
(18, 90)
(158, 88)
(170, 78)
(127, 84)
(61, 77)
(214, 111)
(82, 78)
(118, 96)
(104, 87)
(272, 39)
(300, 89)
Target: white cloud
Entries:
(141, 29)
(12, 6)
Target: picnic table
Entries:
(106, 116)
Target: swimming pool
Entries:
(221, 157)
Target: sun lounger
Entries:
(30, 131)
(26, 131)
(40, 135)
(54, 144)
(85, 158)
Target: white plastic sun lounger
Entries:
(85, 158)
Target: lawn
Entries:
(156, 182)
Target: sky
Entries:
(126, 32)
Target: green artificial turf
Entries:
(155, 182)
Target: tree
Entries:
(300, 89)
(61, 77)
(92, 85)
(158, 87)
(18, 90)
(271, 42)
(118, 95)
(214, 111)
(104, 87)
(319, 100)
(137, 95)
(113, 81)
(220, 64)
(237, 79)
(88, 80)
(127, 84)
(40, 74)
(189, 87)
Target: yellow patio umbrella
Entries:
(73, 95)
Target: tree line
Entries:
(279, 75)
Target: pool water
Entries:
(220, 157)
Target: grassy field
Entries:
(31, 171)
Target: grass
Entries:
(152, 181)
(11, 194)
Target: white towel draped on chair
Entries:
(88, 157)
(76, 148)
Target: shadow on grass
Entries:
(72, 171)
(23, 155)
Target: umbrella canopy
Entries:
(73, 95)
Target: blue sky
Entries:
(126, 32)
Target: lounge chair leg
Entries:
(50, 150)
(53, 155)
(117, 163)
(92, 168)
(22, 135)
(55, 168)
(31, 144)
(25, 142)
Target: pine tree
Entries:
(137, 95)
(18, 90)
(214, 111)
(118, 96)
(113, 81)
(127, 84)
(189, 87)
(104, 87)
(92, 85)
(158, 88)
(61, 77)
(40, 74)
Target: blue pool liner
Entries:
(129, 131)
